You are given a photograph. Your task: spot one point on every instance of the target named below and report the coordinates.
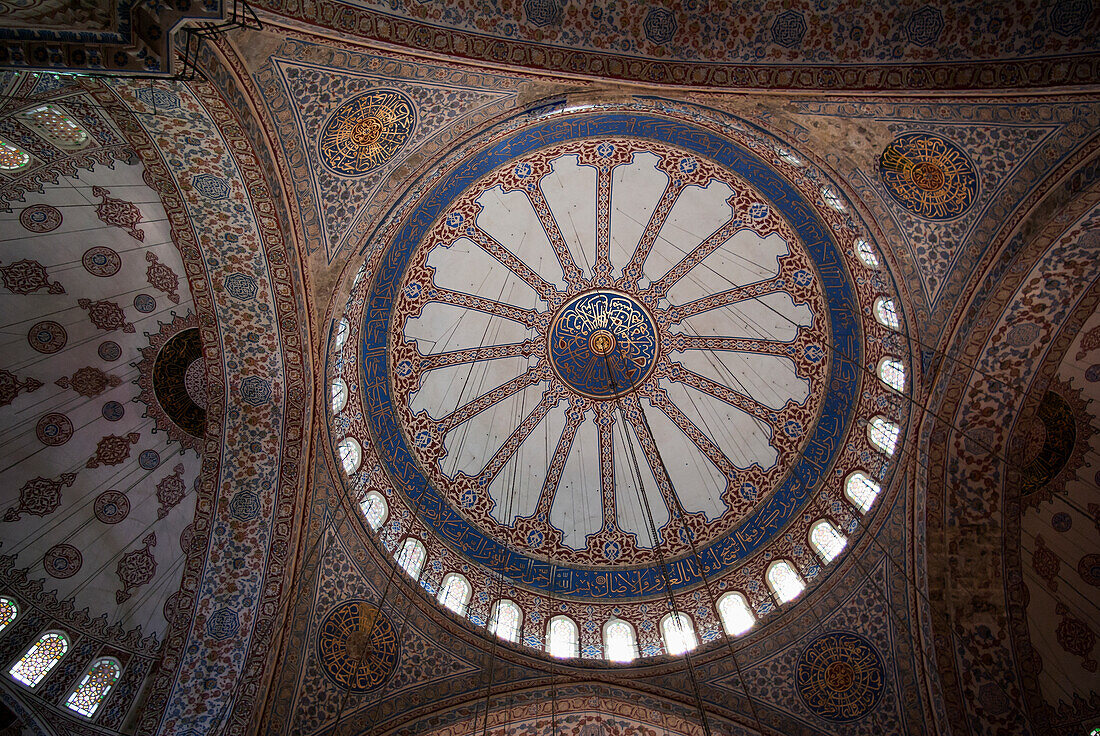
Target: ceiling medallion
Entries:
(928, 175)
(366, 131)
(357, 646)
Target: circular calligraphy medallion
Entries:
(840, 676)
(110, 351)
(40, 218)
(101, 261)
(366, 132)
(54, 429)
(602, 344)
(62, 561)
(928, 175)
(111, 507)
(358, 646)
(47, 337)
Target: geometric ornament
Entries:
(172, 381)
(118, 213)
(136, 568)
(357, 646)
(39, 496)
(929, 176)
(366, 131)
(840, 676)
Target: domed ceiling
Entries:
(617, 351)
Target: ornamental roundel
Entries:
(40, 218)
(357, 646)
(101, 261)
(840, 676)
(47, 337)
(928, 175)
(366, 131)
(62, 561)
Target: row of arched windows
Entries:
(53, 124)
(88, 693)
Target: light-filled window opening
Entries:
(866, 253)
(506, 620)
(343, 329)
(411, 556)
(351, 454)
(861, 491)
(57, 126)
(826, 540)
(883, 434)
(789, 157)
(12, 158)
(93, 688)
(9, 609)
(339, 395)
(892, 373)
(833, 199)
(735, 613)
(43, 655)
(375, 509)
(455, 593)
(619, 642)
(678, 633)
(784, 582)
(562, 638)
(886, 313)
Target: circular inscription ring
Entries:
(366, 131)
(840, 676)
(357, 646)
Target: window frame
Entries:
(863, 509)
(494, 620)
(444, 593)
(369, 496)
(67, 645)
(779, 595)
(405, 543)
(687, 631)
(616, 621)
(734, 595)
(576, 635)
(67, 702)
(827, 559)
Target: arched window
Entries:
(735, 613)
(506, 620)
(343, 329)
(886, 313)
(892, 373)
(562, 638)
(40, 658)
(411, 555)
(784, 581)
(861, 491)
(375, 509)
(833, 199)
(9, 609)
(866, 253)
(883, 434)
(93, 689)
(826, 540)
(678, 633)
(351, 454)
(455, 593)
(339, 395)
(12, 158)
(789, 157)
(619, 642)
(58, 127)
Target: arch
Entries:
(455, 592)
(827, 540)
(861, 491)
(886, 312)
(86, 698)
(411, 555)
(883, 434)
(866, 253)
(375, 509)
(506, 620)
(9, 609)
(562, 638)
(891, 371)
(678, 633)
(735, 614)
(343, 329)
(12, 157)
(43, 655)
(620, 644)
(57, 126)
(339, 395)
(784, 582)
(351, 454)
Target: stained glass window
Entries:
(351, 454)
(12, 158)
(343, 329)
(826, 540)
(619, 642)
(861, 491)
(9, 609)
(455, 593)
(57, 126)
(883, 434)
(789, 157)
(97, 682)
(678, 633)
(411, 557)
(784, 581)
(735, 613)
(886, 313)
(892, 373)
(562, 639)
(833, 199)
(375, 509)
(40, 658)
(866, 253)
(339, 395)
(506, 620)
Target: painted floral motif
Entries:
(118, 213)
(39, 496)
(162, 277)
(1089, 342)
(112, 450)
(27, 277)
(1076, 637)
(10, 386)
(89, 381)
(1046, 563)
(170, 491)
(106, 315)
(136, 568)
